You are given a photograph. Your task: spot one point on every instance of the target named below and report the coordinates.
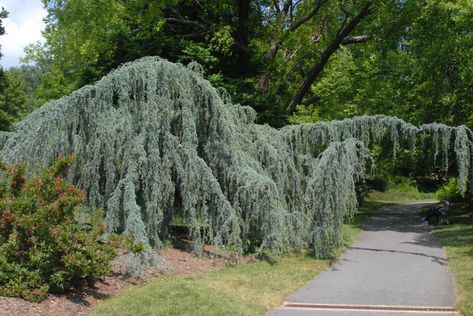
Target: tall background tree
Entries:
(13, 99)
(415, 66)
(3, 15)
(319, 59)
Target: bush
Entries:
(378, 184)
(42, 248)
(404, 185)
(449, 191)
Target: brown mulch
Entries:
(79, 302)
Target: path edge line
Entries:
(370, 307)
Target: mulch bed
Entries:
(79, 302)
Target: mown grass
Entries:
(250, 289)
(457, 238)
(401, 194)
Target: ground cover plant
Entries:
(42, 248)
(154, 137)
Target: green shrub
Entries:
(42, 248)
(405, 185)
(378, 184)
(449, 191)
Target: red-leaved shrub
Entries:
(42, 248)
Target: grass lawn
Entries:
(457, 239)
(249, 289)
(401, 195)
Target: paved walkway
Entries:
(394, 265)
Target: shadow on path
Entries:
(439, 260)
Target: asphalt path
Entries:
(395, 263)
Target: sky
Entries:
(23, 26)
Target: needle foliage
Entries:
(154, 138)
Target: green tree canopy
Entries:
(417, 66)
(331, 58)
(13, 100)
(3, 15)
(242, 45)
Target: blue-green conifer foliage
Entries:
(154, 137)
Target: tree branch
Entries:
(241, 36)
(312, 13)
(178, 18)
(184, 21)
(275, 43)
(276, 6)
(355, 39)
(287, 6)
(310, 100)
(327, 53)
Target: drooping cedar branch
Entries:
(342, 35)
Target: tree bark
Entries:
(242, 36)
(275, 42)
(355, 39)
(326, 54)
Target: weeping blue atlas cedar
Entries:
(154, 138)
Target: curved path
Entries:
(394, 268)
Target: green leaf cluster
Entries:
(13, 100)
(415, 66)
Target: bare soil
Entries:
(80, 301)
